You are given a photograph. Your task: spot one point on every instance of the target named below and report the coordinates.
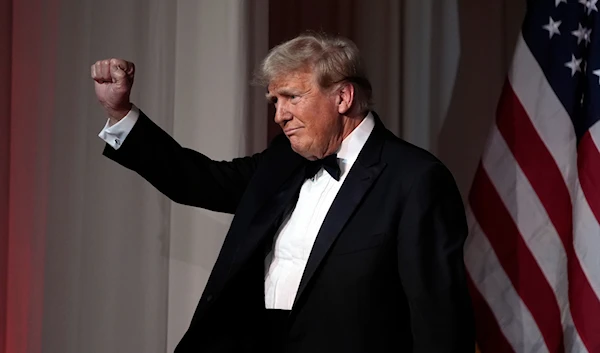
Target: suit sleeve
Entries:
(184, 175)
(432, 233)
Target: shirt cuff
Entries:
(115, 135)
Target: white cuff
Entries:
(115, 135)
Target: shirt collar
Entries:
(354, 142)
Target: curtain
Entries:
(88, 242)
(5, 84)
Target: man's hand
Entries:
(114, 79)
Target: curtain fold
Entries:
(5, 106)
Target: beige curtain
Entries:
(106, 234)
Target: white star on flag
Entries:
(597, 73)
(552, 27)
(590, 5)
(582, 33)
(574, 65)
(588, 36)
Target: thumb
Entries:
(118, 75)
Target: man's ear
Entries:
(345, 97)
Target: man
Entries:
(345, 238)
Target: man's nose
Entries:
(282, 115)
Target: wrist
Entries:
(115, 115)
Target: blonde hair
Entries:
(333, 59)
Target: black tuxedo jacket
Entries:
(386, 272)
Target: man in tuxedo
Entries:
(345, 238)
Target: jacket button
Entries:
(209, 297)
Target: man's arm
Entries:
(430, 262)
(182, 174)
(135, 142)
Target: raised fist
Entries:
(114, 79)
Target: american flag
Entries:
(533, 252)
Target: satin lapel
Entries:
(361, 177)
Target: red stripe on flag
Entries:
(489, 335)
(588, 164)
(536, 162)
(516, 259)
(541, 170)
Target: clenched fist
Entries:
(114, 79)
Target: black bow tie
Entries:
(328, 163)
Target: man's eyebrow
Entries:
(282, 92)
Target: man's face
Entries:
(308, 116)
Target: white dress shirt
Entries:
(294, 240)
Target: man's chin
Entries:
(302, 151)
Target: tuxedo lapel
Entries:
(361, 177)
